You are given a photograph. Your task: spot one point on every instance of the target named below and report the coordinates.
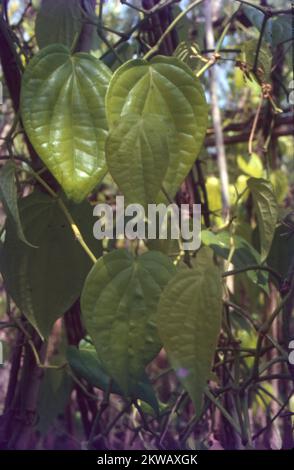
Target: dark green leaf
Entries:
(58, 21)
(282, 29)
(45, 281)
(8, 196)
(281, 255)
(257, 17)
(266, 208)
(53, 397)
(86, 365)
(277, 29)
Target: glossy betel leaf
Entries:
(244, 254)
(45, 281)
(119, 306)
(58, 21)
(266, 209)
(138, 151)
(8, 197)
(63, 112)
(85, 364)
(189, 321)
(167, 87)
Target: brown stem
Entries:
(25, 409)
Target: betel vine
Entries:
(164, 348)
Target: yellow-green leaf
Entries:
(251, 165)
(280, 182)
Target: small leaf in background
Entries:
(282, 29)
(86, 365)
(251, 165)
(244, 254)
(8, 197)
(257, 17)
(45, 281)
(277, 30)
(280, 182)
(119, 306)
(238, 190)
(248, 55)
(58, 21)
(167, 87)
(189, 322)
(213, 188)
(63, 112)
(266, 209)
(241, 185)
(214, 196)
(138, 151)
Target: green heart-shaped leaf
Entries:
(189, 321)
(119, 304)
(45, 281)
(167, 87)
(63, 112)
